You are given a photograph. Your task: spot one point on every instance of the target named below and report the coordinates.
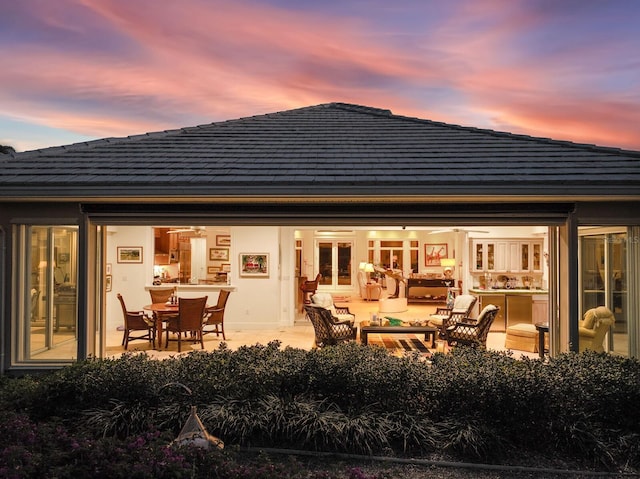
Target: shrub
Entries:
(473, 404)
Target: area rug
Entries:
(400, 344)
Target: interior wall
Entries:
(128, 279)
(256, 303)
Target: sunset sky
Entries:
(74, 70)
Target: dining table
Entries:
(160, 310)
(163, 309)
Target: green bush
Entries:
(468, 404)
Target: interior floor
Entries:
(300, 335)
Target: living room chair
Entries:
(445, 317)
(471, 332)
(188, 321)
(214, 316)
(325, 300)
(136, 321)
(328, 329)
(309, 289)
(594, 326)
(369, 290)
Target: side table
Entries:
(543, 328)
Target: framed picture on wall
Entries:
(107, 283)
(226, 267)
(213, 269)
(129, 254)
(254, 264)
(433, 253)
(223, 240)
(218, 254)
(108, 269)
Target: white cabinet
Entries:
(507, 256)
(540, 308)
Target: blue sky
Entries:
(75, 70)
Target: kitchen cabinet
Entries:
(515, 307)
(540, 308)
(519, 309)
(499, 323)
(506, 256)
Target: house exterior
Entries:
(327, 168)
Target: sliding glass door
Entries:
(603, 275)
(46, 322)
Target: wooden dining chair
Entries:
(188, 321)
(137, 321)
(161, 296)
(214, 315)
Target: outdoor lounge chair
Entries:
(472, 332)
(328, 329)
(325, 300)
(445, 317)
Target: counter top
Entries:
(508, 291)
(192, 287)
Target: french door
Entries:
(335, 259)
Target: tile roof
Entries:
(331, 149)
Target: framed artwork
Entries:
(226, 267)
(129, 254)
(254, 264)
(223, 240)
(433, 253)
(107, 283)
(213, 269)
(218, 254)
(108, 269)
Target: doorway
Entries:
(335, 259)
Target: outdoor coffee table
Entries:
(429, 331)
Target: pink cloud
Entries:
(194, 62)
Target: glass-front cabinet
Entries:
(507, 255)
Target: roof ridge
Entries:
(379, 112)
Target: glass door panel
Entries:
(603, 259)
(344, 264)
(51, 286)
(325, 262)
(592, 271)
(617, 261)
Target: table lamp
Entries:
(447, 267)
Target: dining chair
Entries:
(214, 315)
(161, 296)
(136, 321)
(187, 321)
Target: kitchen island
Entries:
(516, 305)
